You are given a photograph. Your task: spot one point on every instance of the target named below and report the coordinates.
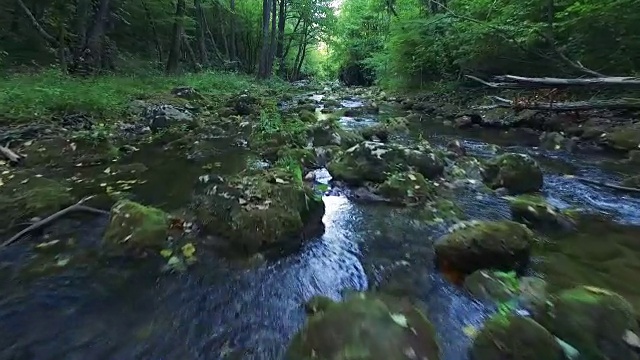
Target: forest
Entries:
(320, 179)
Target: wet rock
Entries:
(329, 132)
(305, 107)
(406, 188)
(160, 117)
(517, 173)
(25, 195)
(353, 112)
(632, 182)
(424, 107)
(318, 304)
(372, 108)
(307, 116)
(133, 226)
(186, 92)
(456, 147)
(515, 338)
(372, 161)
(261, 209)
(494, 286)
(556, 141)
(533, 294)
(624, 138)
(366, 326)
(415, 117)
(332, 103)
(227, 111)
(501, 245)
(245, 104)
(593, 320)
(328, 110)
(407, 104)
(535, 211)
(463, 121)
(324, 154)
(304, 156)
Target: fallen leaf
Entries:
(242, 201)
(412, 177)
(188, 250)
(107, 171)
(38, 175)
(631, 339)
(63, 261)
(400, 319)
(165, 253)
(47, 244)
(73, 146)
(28, 143)
(24, 181)
(103, 184)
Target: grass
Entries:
(25, 96)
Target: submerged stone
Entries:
(265, 208)
(595, 321)
(366, 326)
(133, 226)
(534, 210)
(512, 337)
(501, 245)
(372, 161)
(517, 173)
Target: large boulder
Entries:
(501, 245)
(511, 337)
(365, 326)
(372, 161)
(517, 173)
(260, 209)
(136, 227)
(597, 322)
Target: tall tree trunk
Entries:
(90, 58)
(288, 47)
(200, 32)
(176, 39)
(190, 53)
(232, 32)
(154, 30)
(299, 53)
(272, 45)
(263, 66)
(280, 46)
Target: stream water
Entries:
(224, 309)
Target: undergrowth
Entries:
(25, 96)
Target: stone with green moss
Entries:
(407, 188)
(535, 211)
(512, 337)
(25, 195)
(623, 138)
(318, 304)
(372, 161)
(502, 245)
(260, 209)
(307, 116)
(305, 107)
(133, 226)
(366, 326)
(518, 173)
(332, 103)
(494, 286)
(245, 104)
(305, 156)
(595, 321)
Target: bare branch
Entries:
(564, 106)
(52, 40)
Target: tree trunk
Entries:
(152, 25)
(519, 82)
(272, 45)
(263, 66)
(174, 50)
(190, 52)
(232, 30)
(299, 53)
(200, 32)
(617, 104)
(280, 46)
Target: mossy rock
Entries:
(245, 104)
(512, 337)
(133, 226)
(494, 286)
(365, 326)
(332, 103)
(307, 157)
(535, 211)
(318, 304)
(593, 320)
(632, 181)
(382, 131)
(372, 161)
(517, 173)
(407, 188)
(260, 209)
(624, 138)
(502, 245)
(305, 107)
(25, 195)
(308, 116)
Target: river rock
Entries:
(186, 92)
(518, 173)
(160, 117)
(623, 138)
(332, 103)
(329, 132)
(365, 326)
(597, 322)
(407, 188)
(632, 181)
(494, 286)
(372, 161)
(133, 226)
(534, 210)
(260, 209)
(514, 337)
(245, 104)
(503, 245)
(308, 116)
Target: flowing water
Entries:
(92, 308)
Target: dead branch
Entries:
(75, 207)
(605, 184)
(624, 104)
(10, 155)
(519, 82)
(45, 35)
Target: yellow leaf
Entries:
(188, 250)
(165, 253)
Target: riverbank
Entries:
(232, 204)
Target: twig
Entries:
(605, 184)
(10, 155)
(75, 207)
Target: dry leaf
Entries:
(412, 177)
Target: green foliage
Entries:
(272, 129)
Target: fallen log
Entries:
(619, 104)
(10, 155)
(520, 82)
(38, 224)
(604, 184)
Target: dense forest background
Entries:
(395, 43)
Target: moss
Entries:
(514, 338)
(133, 226)
(332, 103)
(308, 116)
(503, 245)
(624, 138)
(259, 209)
(594, 321)
(348, 138)
(493, 286)
(408, 187)
(516, 172)
(24, 195)
(366, 326)
(534, 210)
(318, 304)
(307, 157)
